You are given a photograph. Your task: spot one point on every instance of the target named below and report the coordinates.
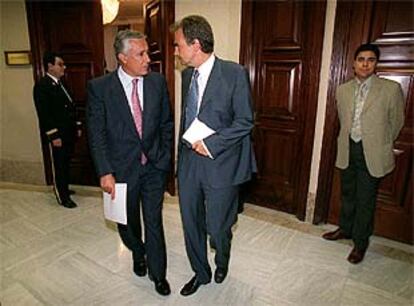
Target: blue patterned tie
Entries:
(192, 100)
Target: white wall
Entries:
(223, 16)
(20, 149)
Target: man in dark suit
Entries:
(216, 97)
(371, 115)
(56, 113)
(130, 133)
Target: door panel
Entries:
(390, 27)
(153, 24)
(77, 76)
(282, 48)
(73, 29)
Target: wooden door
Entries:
(74, 29)
(281, 45)
(389, 25)
(158, 16)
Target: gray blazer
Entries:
(226, 107)
(381, 121)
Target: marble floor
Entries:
(50, 255)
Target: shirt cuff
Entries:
(208, 152)
(52, 134)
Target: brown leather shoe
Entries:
(335, 235)
(356, 256)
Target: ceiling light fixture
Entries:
(109, 10)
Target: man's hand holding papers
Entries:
(195, 134)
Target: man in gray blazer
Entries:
(130, 135)
(371, 115)
(212, 164)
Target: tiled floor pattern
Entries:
(50, 255)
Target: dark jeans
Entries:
(359, 191)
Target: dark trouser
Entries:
(359, 190)
(205, 210)
(149, 192)
(61, 166)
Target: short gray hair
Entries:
(121, 43)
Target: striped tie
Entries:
(356, 134)
(136, 107)
(192, 101)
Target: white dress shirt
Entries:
(361, 93)
(204, 73)
(53, 77)
(126, 81)
(57, 81)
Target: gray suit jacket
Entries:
(114, 141)
(382, 118)
(226, 107)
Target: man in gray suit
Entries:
(211, 165)
(130, 135)
(371, 115)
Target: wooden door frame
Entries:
(345, 41)
(37, 49)
(168, 15)
(167, 45)
(248, 57)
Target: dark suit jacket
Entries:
(114, 141)
(226, 107)
(55, 111)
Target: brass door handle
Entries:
(397, 151)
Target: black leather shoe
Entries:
(220, 274)
(335, 235)
(192, 286)
(162, 286)
(140, 267)
(68, 203)
(356, 255)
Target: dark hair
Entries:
(368, 47)
(196, 27)
(121, 43)
(49, 58)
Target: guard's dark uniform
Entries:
(56, 114)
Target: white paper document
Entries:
(115, 210)
(197, 131)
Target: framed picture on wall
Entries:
(18, 58)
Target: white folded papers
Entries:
(115, 210)
(197, 131)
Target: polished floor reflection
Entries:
(50, 255)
